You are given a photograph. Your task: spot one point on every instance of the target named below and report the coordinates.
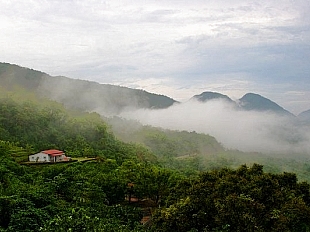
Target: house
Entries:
(49, 156)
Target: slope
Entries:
(165, 143)
(207, 96)
(42, 125)
(304, 116)
(252, 101)
(80, 94)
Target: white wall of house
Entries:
(60, 158)
(39, 157)
(56, 158)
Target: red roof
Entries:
(53, 152)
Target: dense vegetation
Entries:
(81, 196)
(91, 196)
(76, 197)
(188, 181)
(45, 124)
(246, 199)
(190, 152)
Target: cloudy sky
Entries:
(174, 47)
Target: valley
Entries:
(203, 165)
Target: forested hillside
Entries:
(80, 94)
(45, 124)
(180, 143)
(185, 181)
(70, 196)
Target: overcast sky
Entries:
(176, 48)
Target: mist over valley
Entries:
(251, 124)
(234, 128)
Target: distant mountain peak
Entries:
(206, 96)
(253, 101)
(304, 116)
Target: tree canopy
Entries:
(95, 195)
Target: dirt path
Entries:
(147, 213)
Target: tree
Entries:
(246, 199)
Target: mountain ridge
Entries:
(81, 94)
(209, 95)
(248, 102)
(111, 99)
(304, 116)
(253, 101)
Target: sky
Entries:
(176, 48)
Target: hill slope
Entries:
(252, 101)
(43, 124)
(206, 96)
(81, 94)
(165, 143)
(304, 116)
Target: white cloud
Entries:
(235, 129)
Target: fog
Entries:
(107, 100)
(248, 131)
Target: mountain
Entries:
(304, 116)
(81, 94)
(256, 102)
(110, 99)
(207, 96)
(249, 101)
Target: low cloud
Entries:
(249, 131)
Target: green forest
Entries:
(158, 180)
